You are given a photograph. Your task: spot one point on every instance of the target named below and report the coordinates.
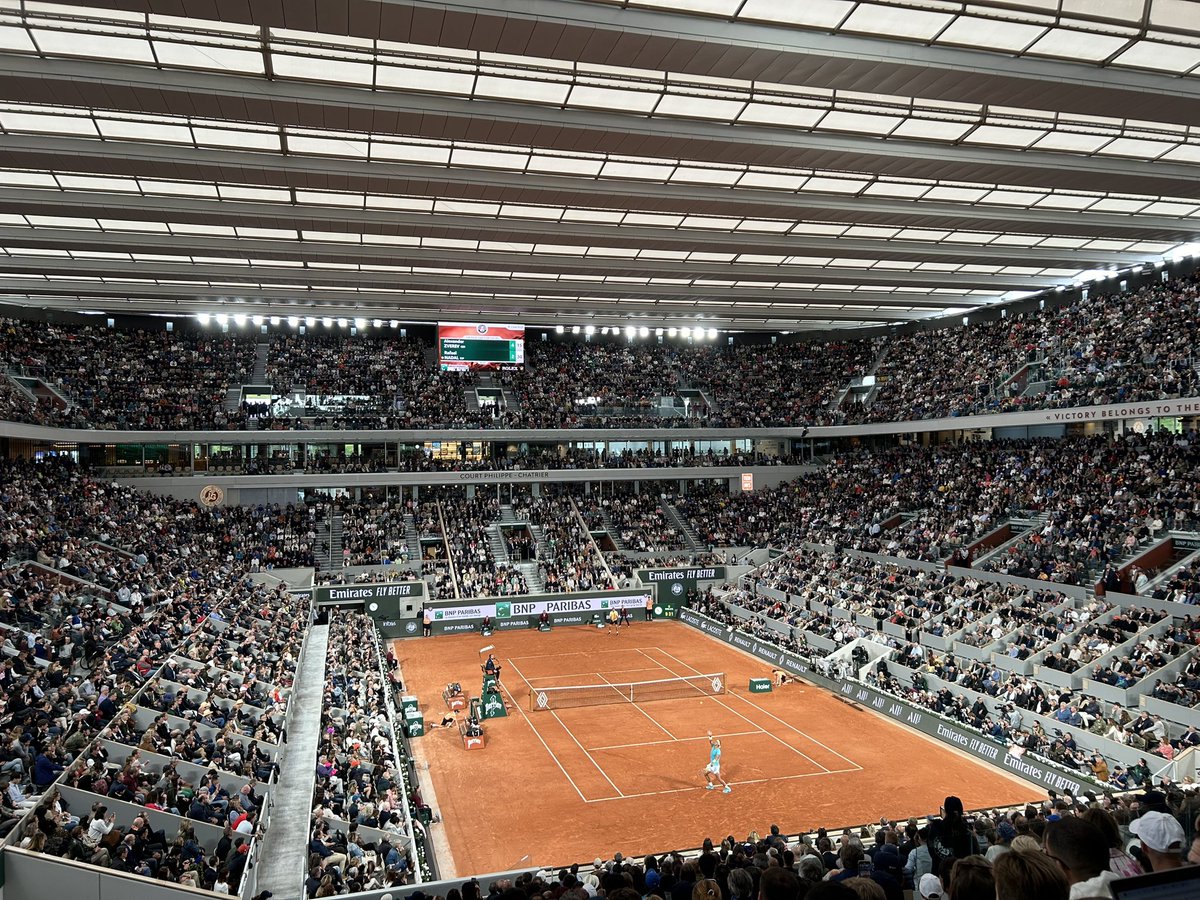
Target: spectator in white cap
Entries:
(1162, 839)
(929, 887)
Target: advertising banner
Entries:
(523, 612)
(672, 585)
(976, 744)
(395, 606)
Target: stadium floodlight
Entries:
(310, 321)
(630, 331)
(360, 324)
(395, 323)
(222, 319)
(658, 332)
(294, 321)
(712, 334)
(274, 320)
(574, 329)
(342, 323)
(672, 331)
(257, 320)
(559, 329)
(202, 318)
(327, 322)
(643, 331)
(377, 323)
(239, 319)
(589, 330)
(685, 332)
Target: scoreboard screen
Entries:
(463, 346)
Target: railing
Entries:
(420, 872)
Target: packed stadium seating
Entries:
(1080, 354)
(92, 627)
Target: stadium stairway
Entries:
(612, 530)
(335, 542)
(539, 540)
(260, 362)
(410, 536)
(285, 845)
(496, 543)
(507, 515)
(691, 539)
(533, 577)
(233, 398)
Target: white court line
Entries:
(519, 709)
(735, 712)
(643, 712)
(677, 740)
(765, 711)
(593, 672)
(599, 768)
(736, 783)
(577, 653)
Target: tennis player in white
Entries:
(712, 772)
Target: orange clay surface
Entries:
(569, 785)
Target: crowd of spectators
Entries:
(758, 385)
(572, 561)
(85, 652)
(565, 384)
(1184, 690)
(1062, 848)
(638, 519)
(1108, 348)
(120, 379)
(374, 533)
(467, 523)
(1151, 653)
(360, 835)
(1098, 639)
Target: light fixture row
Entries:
(641, 331)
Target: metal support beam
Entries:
(391, 222)
(14, 238)
(714, 46)
(267, 276)
(166, 92)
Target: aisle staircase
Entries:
(260, 362)
(497, 544)
(532, 576)
(335, 542)
(612, 530)
(690, 538)
(539, 540)
(411, 538)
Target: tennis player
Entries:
(614, 622)
(712, 772)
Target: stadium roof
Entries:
(781, 164)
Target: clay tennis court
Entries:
(566, 785)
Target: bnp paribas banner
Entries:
(672, 585)
(523, 612)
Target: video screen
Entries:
(465, 346)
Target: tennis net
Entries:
(627, 692)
